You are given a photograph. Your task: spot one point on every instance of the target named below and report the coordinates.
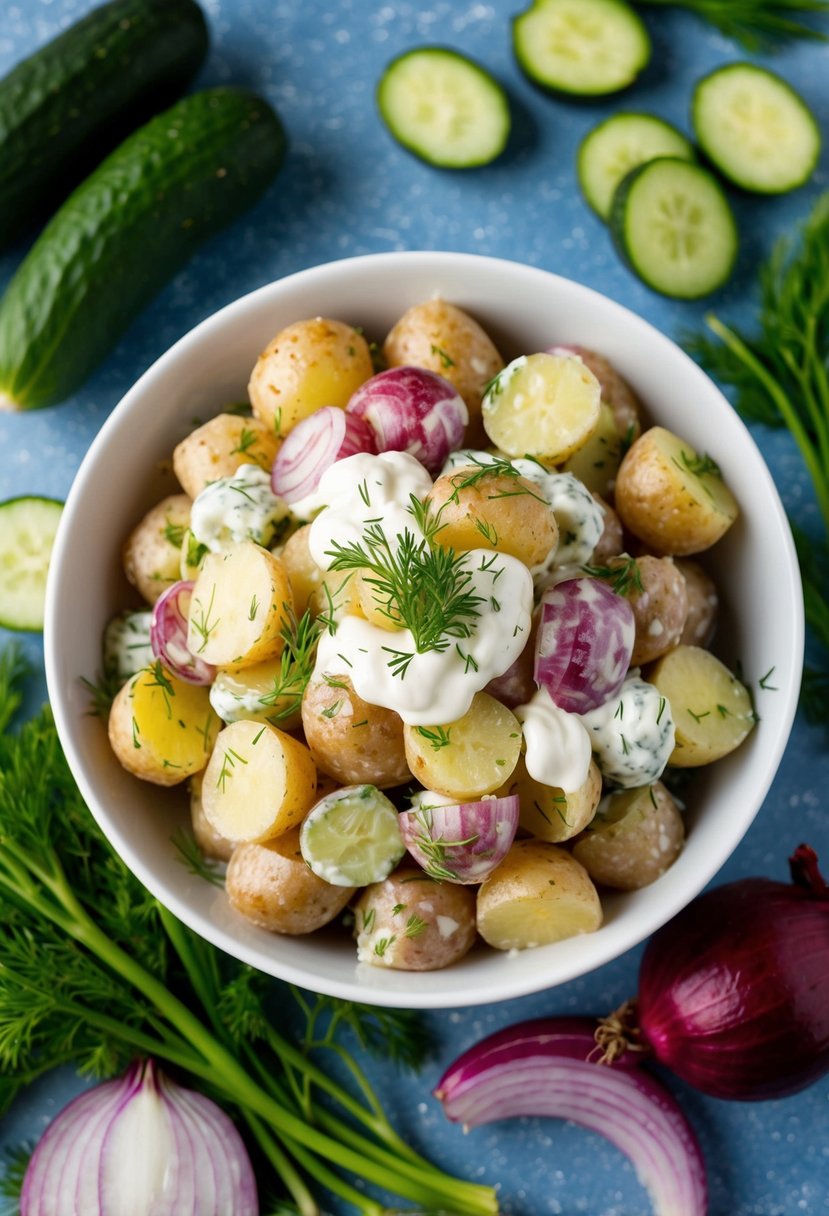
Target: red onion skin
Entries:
(734, 991)
(312, 446)
(412, 410)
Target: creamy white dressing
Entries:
(127, 646)
(558, 745)
(437, 686)
(238, 508)
(235, 700)
(632, 734)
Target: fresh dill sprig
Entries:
(196, 862)
(756, 24)
(13, 1163)
(296, 664)
(622, 573)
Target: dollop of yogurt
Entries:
(632, 734)
(238, 508)
(127, 646)
(558, 745)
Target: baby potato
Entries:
(239, 608)
(259, 782)
(596, 462)
(542, 405)
(160, 728)
(712, 710)
(538, 894)
(351, 740)
(444, 339)
(549, 813)
(670, 497)
(703, 604)
(152, 552)
(304, 575)
(484, 508)
(612, 540)
(409, 922)
(307, 365)
(266, 692)
(211, 842)
(616, 392)
(636, 836)
(659, 609)
(467, 758)
(218, 448)
(270, 884)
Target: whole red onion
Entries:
(734, 991)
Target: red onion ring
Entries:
(168, 636)
(321, 439)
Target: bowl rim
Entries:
(605, 947)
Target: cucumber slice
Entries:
(351, 838)
(27, 533)
(755, 128)
(444, 108)
(619, 144)
(584, 47)
(674, 226)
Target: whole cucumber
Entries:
(124, 232)
(71, 102)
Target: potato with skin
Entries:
(671, 497)
(596, 462)
(307, 365)
(660, 608)
(443, 338)
(550, 813)
(219, 447)
(636, 836)
(409, 922)
(240, 606)
(259, 782)
(152, 552)
(304, 575)
(211, 842)
(467, 758)
(538, 894)
(161, 728)
(711, 708)
(616, 392)
(612, 540)
(485, 508)
(703, 604)
(270, 884)
(544, 406)
(351, 740)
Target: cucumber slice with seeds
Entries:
(756, 130)
(444, 108)
(587, 48)
(27, 534)
(674, 226)
(351, 838)
(619, 144)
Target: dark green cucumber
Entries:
(124, 232)
(70, 103)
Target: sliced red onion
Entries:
(140, 1144)
(168, 636)
(463, 842)
(585, 640)
(547, 1068)
(320, 440)
(412, 410)
(734, 991)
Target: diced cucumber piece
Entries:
(674, 226)
(27, 533)
(619, 144)
(444, 108)
(351, 838)
(755, 128)
(584, 47)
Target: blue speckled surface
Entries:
(347, 189)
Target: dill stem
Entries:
(787, 411)
(294, 1184)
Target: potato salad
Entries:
(424, 634)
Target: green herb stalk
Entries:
(781, 378)
(135, 981)
(757, 25)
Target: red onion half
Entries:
(547, 1067)
(168, 635)
(734, 991)
(140, 1144)
(412, 410)
(314, 444)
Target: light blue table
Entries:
(348, 189)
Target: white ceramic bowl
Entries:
(524, 309)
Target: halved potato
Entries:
(542, 405)
(239, 608)
(711, 708)
(469, 757)
(549, 813)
